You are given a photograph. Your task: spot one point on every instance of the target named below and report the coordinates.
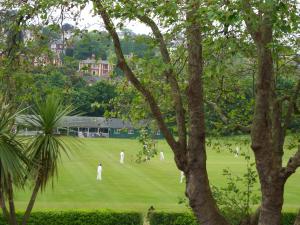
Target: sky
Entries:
(90, 22)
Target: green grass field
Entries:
(131, 186)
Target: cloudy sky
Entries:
(90, 22)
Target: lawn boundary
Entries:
(165, 218)
(82, 218)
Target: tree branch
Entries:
(132, 78)
(169, 73)
(292, 165)
(218, 110)
(171, 77)
(251, 20)
(225, 119)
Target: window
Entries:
(117, 131)
(105, 69)
(131, 131)
(158, 133)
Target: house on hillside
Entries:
(58, 49)
(82, 126)
(94, 67)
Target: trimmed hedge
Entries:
(83, 218)
(162, 218)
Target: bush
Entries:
(83, 218)
(162, 218)
(288, 218)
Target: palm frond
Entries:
(46, 148)
(13, 160)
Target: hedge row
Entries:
(162, 218)
(83, 218)
(115, 218)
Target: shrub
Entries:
(83, 218)
(288, 218)
(161, 218)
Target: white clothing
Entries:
(181, 176)
(161, 156)
(99, 173)
(122, 156)
(80, 134)
(237, 152)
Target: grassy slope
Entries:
(130, 186)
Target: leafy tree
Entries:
(267, 28)
(93, 100)
(92, 43)
(189, 149)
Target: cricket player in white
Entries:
(181, 176)
(122, 156)
(99, 172)
(237, 152)
(161, 156)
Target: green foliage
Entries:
(161, 218)
(148, 150)
(12, 155)
(97, 43)
(288, 218)
(72, 89)
(237, 197)
(93, 100)
(83, 218)
(46, 148)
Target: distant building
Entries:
(94, 67)
(58, 49)
(89, 127)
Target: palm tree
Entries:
(13, 160)
(46, 148)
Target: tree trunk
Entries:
(197, 184)
(200, 197)
(4, 209)
(11, 203)
(252, 219)
(31, 202)
(266, 132)
(297, 221)
(272, 201)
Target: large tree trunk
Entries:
(266, 131)
(272, 201)
(31, 202)
(200, 196)
(269, 126)
(198, 189)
